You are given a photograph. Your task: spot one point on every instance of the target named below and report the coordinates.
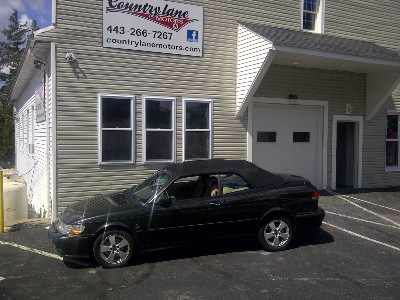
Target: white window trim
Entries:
(31, 137)
(320, 17)
(26, 129)
(100, 128)
(144, 129)
(184, 129)
(389, 169)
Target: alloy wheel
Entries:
(114, 249)
(277, 233)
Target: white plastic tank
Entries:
(15, 204)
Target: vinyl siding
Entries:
(252, 51)
(374, 21)
(33, 166)
(102, 70)
(337, 88)
(375, 174)
(50, 140)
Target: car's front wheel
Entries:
(113, 249)
(276, 233)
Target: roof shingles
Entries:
(325, 43)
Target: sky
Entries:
(40, 10)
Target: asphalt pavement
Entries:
(355, 255)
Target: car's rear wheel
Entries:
(113, 249)
(276, 233)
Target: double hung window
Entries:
(312, 15)
(159, 129)
(392, 142)
(197, 131)
(116, 134)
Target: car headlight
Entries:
(71, 230)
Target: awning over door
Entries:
(259, 46)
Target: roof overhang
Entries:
(383, 74)
(36, 51)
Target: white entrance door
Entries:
(289, 139)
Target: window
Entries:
(392, 142)
(301, 137)
(197, 115)
(116, 135)
(26, 126)
(21, 131)
(187, 188)
(159, 129)
(145, 191)
(206, 186)
(266, 137)
(31, 131)
(232, 183)
(312, 15)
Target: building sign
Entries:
(153, 25)
(40, 107)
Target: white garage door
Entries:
(289, 139)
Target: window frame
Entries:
(185, 177)
(21, 131)
(260, 133)
(130, 98)
(31, 131)
(319, 14)
(26, 128)
(249, 186)
(145, 130)
(392, 168)
(210, 103)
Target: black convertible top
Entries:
(254, 175)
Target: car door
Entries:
(182, 218)
(241, 205)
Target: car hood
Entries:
(99, 205)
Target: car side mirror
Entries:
(166, 201)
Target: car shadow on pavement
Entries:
(305, 237)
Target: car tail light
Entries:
(315, 195)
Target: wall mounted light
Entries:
(70, 57)
(38, 64)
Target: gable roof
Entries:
(282, 37)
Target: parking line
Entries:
(361, 220)
(363, 237)
(383, 206)
(33, 250)
(366, 209)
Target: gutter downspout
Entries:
(53, 149)
(46, 110)
(44, 77)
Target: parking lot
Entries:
(356, 254)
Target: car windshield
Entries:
(150, 187)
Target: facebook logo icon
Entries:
(193, 36)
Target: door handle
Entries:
(215, 203)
